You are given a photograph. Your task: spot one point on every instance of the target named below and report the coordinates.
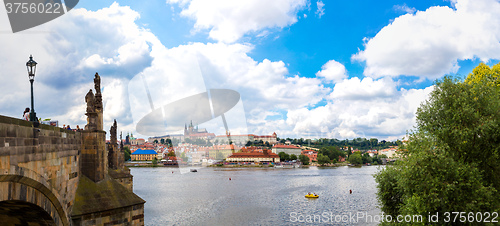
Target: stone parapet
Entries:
(39, 159)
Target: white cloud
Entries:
(404, 8)
(429, 43)
(69, 50)
(365, 89)
(265, 87)
(353, 112)
(229, 20)
(320, 11)
(332, 71)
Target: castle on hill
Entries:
(194, 131)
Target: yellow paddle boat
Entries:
(314, 196)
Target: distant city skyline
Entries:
(303, 68)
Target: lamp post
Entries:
(31, 66)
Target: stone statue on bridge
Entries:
(91, 111)
(90, 100)
(98, 101)
(112, 133)
(97, 83)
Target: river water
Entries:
(258, 196)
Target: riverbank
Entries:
(150, 164)
(329, 165)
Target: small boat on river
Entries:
(194, 170)
(313, 196)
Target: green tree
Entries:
(332, 152)
(366, 158)
(378, 159)
(323, 159)
(465, 117)
(373, 142)
(429, 180)
(284, 156)
(162, 141)
(451, 162)
(155, 162)
(293, 157)
(355, 158)
(304, 159)
(171, 154)
(126, 153)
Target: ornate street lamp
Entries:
(31, 66)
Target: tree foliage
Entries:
(357, 143)
(284, 156)
(451, 162)
(333, 153)
(366, 158)
(323, 159)
(168, 141)
(355, 158)
(304, 159)
(126, 153)
(483, 73)
(377, 159)
(464, 118)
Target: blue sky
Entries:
(303, 68)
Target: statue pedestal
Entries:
(92, 121)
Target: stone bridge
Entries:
(54, 176)
(39, 166)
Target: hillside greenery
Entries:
(451, 162)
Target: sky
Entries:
(302, 68)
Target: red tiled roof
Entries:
(264, 136)
(285, 146)
(253, 155)
(307, 151)
(250, 149)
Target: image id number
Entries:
(470, 217)
(33, 7)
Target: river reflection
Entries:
(257, 196)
